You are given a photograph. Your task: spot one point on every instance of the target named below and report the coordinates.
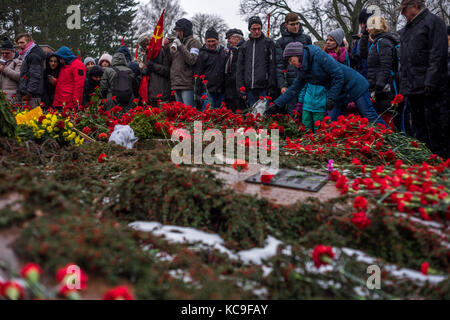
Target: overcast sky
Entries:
(227, 9)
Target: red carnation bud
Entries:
(118, 293)
(31, 272)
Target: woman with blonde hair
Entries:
(382, 65)
(335, 46)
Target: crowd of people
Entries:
(304, 80)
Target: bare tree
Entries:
(148, 15)
(203, 21)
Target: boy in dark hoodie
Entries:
(93, 81)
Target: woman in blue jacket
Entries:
(343, 84)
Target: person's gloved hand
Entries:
(273, 109)
(177, 42)
(330, 104)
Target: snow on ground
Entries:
(257, 255)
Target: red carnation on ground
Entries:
(103, 136)
(87, 130)
(360, 203)
(424, 268)
(31, 272)
(266, 177)
(60, 124)
(65, 276)
(360, 220)
(118, 293)
(11, 290)
(240, 165)
(101, 158)
(322, 255)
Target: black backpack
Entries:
(123, 86)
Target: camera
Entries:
(356, 36)
(3, 62)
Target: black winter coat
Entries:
(423, 54)
(211, 63)
(230, 74)
(382, 61)
(89, 88)
(159, 72)
(286, 38)
(32, 73)
(256, 65)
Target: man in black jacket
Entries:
(291, 31)
(31, 83)
(233, 99)
(256, 65)
(423, 73)
(211, 64)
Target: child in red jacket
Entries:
(69, 88)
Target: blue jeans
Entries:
(253, 95)
(365, 107)
(214, 100)
(185, 96)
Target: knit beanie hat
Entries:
(364, 15)
(211, 33)
(96, 71)
(106, 57)
(293, 49)
(7, 44)
(232, 32)
(89, 59)
(338, 35)
(254, 20)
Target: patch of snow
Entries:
(256, 255)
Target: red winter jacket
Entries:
(69, 87)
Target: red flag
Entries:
(123, 40)
(155, 45)
(153, 49)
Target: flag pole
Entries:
(268, 26)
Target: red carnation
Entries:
(42, 118)
(103, 136)
(360, 203)
(284, 71)
(31, 272)
(424, 268)
(118, 293)
(205, 81)
(101, 158)
(322, 255)
(11, 290)
(360, 220)
(266, 177)
(61, 124)
(86, 130)
(240, 165)
(65, 275)
(242, 89)
(414, 144)
(202, 77)
(195, 76)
